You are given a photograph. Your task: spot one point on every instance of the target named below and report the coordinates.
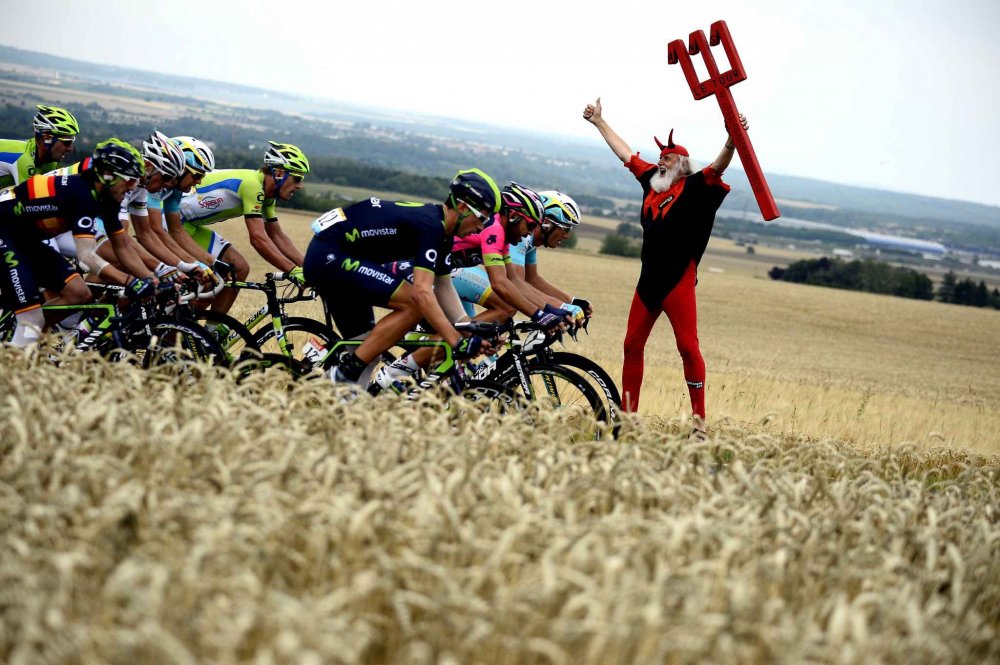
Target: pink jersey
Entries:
(488, 247)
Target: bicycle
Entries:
(138, 332)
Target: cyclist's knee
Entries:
(76, 292)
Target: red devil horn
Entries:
(658, 144)
(670, 139)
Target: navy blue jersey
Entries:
(385, 231)
(44, 206)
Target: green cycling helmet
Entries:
(286, 156)
(54, 120)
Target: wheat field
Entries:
(843, 510)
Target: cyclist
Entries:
(164, 208)
(55, 133)
(562, 215)
(230, 193)
(487, 260)
(344, 262)
(46, 205)
(483, 261)
(164, 165)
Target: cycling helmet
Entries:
(118, 158)
(560, 209)
(54, 120)
(165, 155)
(286, 156)
(477, 190)
(523, 200)
(198, 157)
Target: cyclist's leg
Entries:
(220, 248)
(20, 289)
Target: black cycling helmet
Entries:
(118, 158)
(518, 198)
(477, 190)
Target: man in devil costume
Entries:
(678, 212)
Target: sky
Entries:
(886, 94)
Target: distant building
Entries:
(844, 253)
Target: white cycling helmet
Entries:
(560, 209)
(197, 155)
(165, 155)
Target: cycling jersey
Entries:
(17, 162)
(488, 247)
(344, 260)
(524, 253)
(46, 205)
(226, 194)
(43, 207)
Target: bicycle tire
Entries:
(178, 340)
(238, 345)
(565, 389)
(309, 339)
(599, 378)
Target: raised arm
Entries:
(592, 114)
(721, 162)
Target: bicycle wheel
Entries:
(234, 337)
(566, 390)
(307, 341)
(599, 379)
(492, 394)
(177, 341)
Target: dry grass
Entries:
(147, 521)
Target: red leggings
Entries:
(681, 310)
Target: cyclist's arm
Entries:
(263, 245)
(532, 277)
(175, 227)
(508, 291)
(516, 273)
(426, 301)
(128, 256)
(156, 226)
(448, 298)
(283, 242)
(152, 242)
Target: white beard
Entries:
(661, 182)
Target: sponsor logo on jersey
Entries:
(376, 203)
(211, 203)
(45, 207)
(355, 266)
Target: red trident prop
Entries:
(718, 84)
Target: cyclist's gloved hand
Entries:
(546, 320)
(576, 312)
(226, 270)
(295, 274)
(558, 311)
(468, 347)
(584, 304)
(138, 288)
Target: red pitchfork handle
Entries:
(718, 84)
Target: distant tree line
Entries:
(879, 277)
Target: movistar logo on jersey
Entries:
(8, 258)
(45, 207)
(355, 266)
(19, 208)
(369, 233)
